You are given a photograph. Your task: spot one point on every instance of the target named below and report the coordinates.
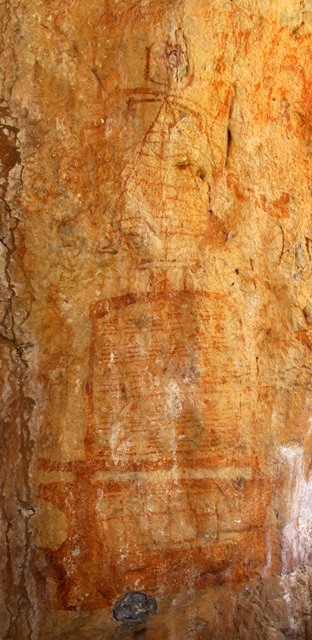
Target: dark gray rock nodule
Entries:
(134, 606)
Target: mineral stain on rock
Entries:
(134, 606)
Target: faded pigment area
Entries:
(156, 320)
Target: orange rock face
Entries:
(156, 320)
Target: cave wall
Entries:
(156, 317)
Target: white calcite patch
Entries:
(297, 532)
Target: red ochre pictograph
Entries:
(168, 470)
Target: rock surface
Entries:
(156, 318)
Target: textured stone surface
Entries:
(156, 318)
